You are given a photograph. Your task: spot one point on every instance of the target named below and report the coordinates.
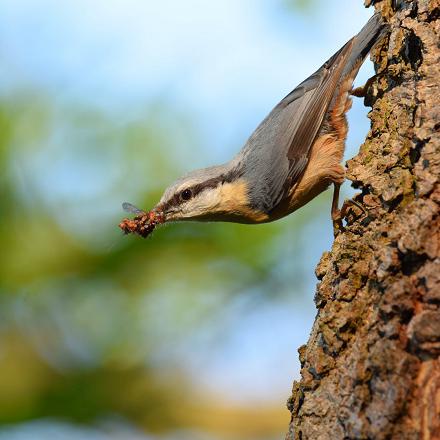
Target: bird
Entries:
(294, 154)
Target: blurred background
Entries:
(191, 334)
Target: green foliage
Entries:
(91, 320)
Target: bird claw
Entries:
(359, 92)
(339, 214)
(362, 91)
(338, 226)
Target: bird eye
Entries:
(186, 194)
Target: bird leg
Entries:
(336, 212)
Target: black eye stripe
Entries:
(177, 199)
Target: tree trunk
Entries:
(371, 368)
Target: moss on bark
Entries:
(371, 368)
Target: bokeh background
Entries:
(191, 334)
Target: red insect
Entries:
(143, 224)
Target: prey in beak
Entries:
(143, 223)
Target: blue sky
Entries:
(229, 61)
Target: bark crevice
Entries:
(371, 368)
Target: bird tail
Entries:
(364, 41)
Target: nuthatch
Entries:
(293, 155)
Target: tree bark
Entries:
(371, 368)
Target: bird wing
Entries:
(278, 151)
(308, 125)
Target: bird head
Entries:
(217, 193)
(209, 194)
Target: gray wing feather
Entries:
(277, 153)
(311, 120)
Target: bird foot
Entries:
(339, 214)
(338, 226)
(359, 92)
(362, 91)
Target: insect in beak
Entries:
(143, 223)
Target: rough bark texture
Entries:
(371, 368)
